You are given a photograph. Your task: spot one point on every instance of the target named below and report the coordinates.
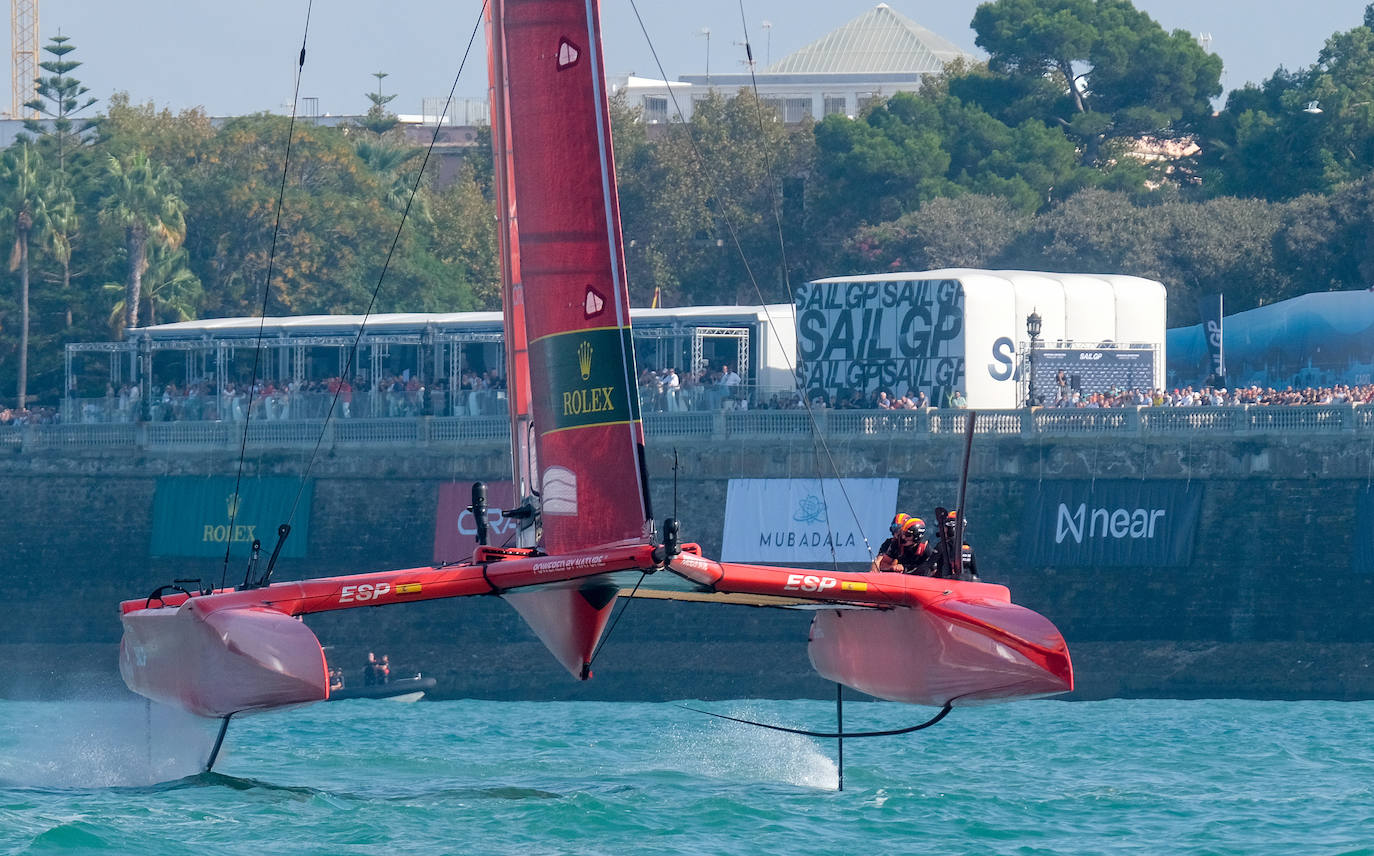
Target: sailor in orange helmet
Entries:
(891, 548)
(965, 567)
(912, 554)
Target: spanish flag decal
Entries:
(408, 588)
(848, 586)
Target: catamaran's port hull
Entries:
(214, 662)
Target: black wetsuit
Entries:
(916, 558)
(943, 566)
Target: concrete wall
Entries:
(1270, 606)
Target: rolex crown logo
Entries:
(584, 359)
(231, 505)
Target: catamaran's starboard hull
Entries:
(963, 653)
(220, 661)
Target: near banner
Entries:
(1111, 523)
(801, 520)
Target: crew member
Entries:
(370, 670)
(955, 562)
(891, 548)
(913, 553)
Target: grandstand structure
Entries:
(435, 348)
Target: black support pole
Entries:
(219, 742)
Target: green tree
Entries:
(168, 283)
(701, 207)
(63, 227)
(178, 140)
(1121, 74)
(461, 234)
(387, 160)
(144, 203)
(60, 99)
(21, 210)
(378, 119)
(1309, 131)
(882, 165)
(964, 231)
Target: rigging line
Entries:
(719, 206)
(266, 291)
(775, 208)
(944, 711)
(618, 616)
(386, 265)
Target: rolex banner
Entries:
(1111, 523)
(801, 520)
(191, 516)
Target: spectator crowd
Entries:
(662, 391)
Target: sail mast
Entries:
(512, 289)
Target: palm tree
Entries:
(63, 224)
(167, 283)
(386, 160)
(21, 207)
(145, 204)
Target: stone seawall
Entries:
(1270, 605)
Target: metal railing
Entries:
(718, 424)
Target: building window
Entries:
(836, 105)
(655, 109)
(796, 109)
(868, 99)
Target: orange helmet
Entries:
(952, 520)
(914, 527)
(897, 522)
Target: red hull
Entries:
(919, 656)
(217, 662)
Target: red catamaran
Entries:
(587, 532)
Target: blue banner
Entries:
(1210, 308)
(1111, 523)
(1362, 557)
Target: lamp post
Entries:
(1033, 328)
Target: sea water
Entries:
(473, 777)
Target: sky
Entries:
(233, 57)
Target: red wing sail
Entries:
(584, 398)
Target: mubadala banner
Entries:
(801, 520)
(1111, 523)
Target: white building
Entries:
(876, 55)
